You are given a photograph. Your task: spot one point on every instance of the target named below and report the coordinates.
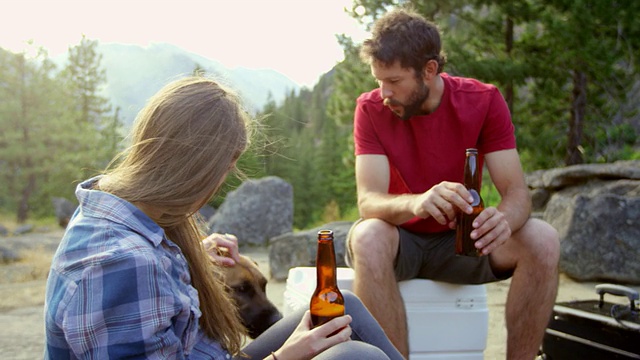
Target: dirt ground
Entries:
(22, 289)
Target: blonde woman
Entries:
(132, 278)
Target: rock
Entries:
(579, 174)
(255, 212)
(598, 227)
(534, 179)
(8, 255)
(3, 230)
(630, 188)
(539, 198)
(594, 207)
(23, 229)
(42, 229)
(64, 209)
(299, 249)
(207, 211)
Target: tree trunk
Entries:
(29, 187)
(508, 96)
(576, 122)
(23, 207)
(27, 164)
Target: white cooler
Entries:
(446, 321)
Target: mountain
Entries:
(135, 73)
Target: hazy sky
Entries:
(294, 37)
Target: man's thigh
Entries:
(536, 238)
(432, 256)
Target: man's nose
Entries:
(385, 92)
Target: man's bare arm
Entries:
(372, 179)
(507, 176)
(374, 201)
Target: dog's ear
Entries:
(217, 269)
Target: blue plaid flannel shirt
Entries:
(119, 288)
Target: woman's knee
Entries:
(351, 301)
(350, 350)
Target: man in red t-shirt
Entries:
(410, 135)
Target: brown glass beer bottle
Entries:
(327, 301)
(464, 243)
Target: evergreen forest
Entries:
(567, 69)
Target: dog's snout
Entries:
(262, 321)
(275, 317)
(248, 289)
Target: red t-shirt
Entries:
(428, 149)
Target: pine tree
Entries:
(32, 123)
(84, 80)
(590, 49)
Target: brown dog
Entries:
(248, 289)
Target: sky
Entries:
(294, 37)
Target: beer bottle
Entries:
(464, 243)
(327, 301)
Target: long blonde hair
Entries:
(184, 142)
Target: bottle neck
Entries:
(326, 264)
(472, 172)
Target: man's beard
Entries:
(414, 106)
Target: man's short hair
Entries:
(406, 36)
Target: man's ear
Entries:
(430, 69)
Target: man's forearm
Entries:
(395, 209)
(516, 206)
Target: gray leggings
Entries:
(369, 340)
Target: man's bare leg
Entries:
(374, 244)
(533, 288)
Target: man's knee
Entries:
(373, 238)
(541, 241)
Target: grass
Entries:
(9, 221)
(490, 194)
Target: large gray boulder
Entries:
(600, 237)
(299, 249)
(64, 209)
(256, 211)
(595, 208)
(207, 212)
(559, 178)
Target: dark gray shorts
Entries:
(432, 256)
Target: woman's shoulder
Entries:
(91, 243)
